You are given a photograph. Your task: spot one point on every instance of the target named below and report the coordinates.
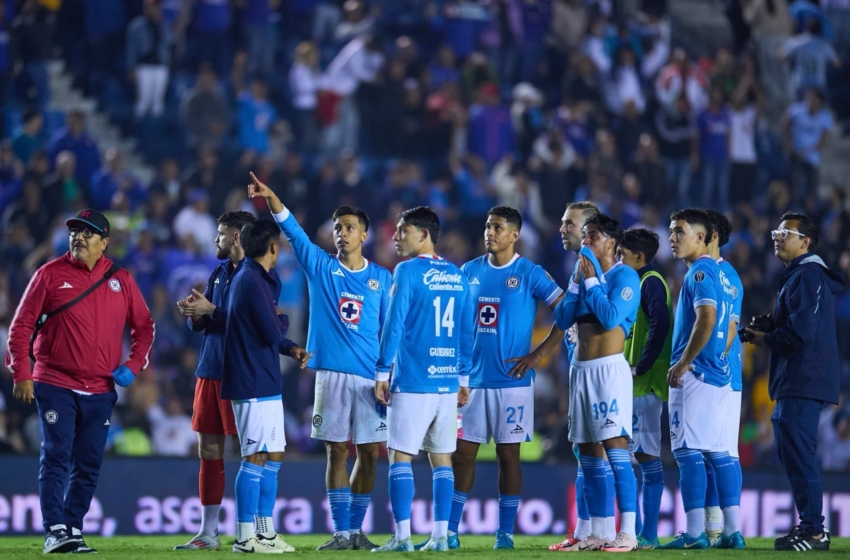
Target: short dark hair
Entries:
(607, 225)
(641, 240)
(694, 216)
(511, 215)
(236, 219)
(805, 226)
(423, 218)
(257, 236)
(351, 211)
(721, 225)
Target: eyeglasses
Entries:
(87, 233)
(783, 233)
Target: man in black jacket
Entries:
(804, 369)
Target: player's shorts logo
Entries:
(488, 314)
(115, 285)
(317, 421)
(51, 416)
(512, 282)
(699, 276)
(349, 310)
(374, 284)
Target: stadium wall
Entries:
(158, 496)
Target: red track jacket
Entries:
(80, 347)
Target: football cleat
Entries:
(437, 545)
(623, 542)
(395, 545)
(337, 542)
(735, 540)
(200, 542)
(646, 544)
(359, 541)
(504, 541)
(569, 540)
(685, 541)
(254, 545)
(57, 540)
(587, 545)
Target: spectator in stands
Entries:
(196, 223)
(569, 23)
(73, 137)
(710, 152)
(27, 139)
(744, 111)
(460, 23)
(113, 178)
(807, 125)
(681, 77)
(5, 57)
(105, 24)
(149, 42)
(171, 429)
(30, 208)
(771, 25)
(62, 187)
(491, 132)
(676, 130)
(211, 20)
(650, 171)
(623, 85)
(208, 174)
(526, 117)
(356, 22)
(443, 69)
(809, 54)
(304, 83)
(259, 35)
(31, 40)
(255, 116)
(205, 111)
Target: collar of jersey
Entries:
(616, 264)
(705, 256)
(427, 256)
(720, 260)
(353, 271)
(512, 261)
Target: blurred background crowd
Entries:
(154, 111)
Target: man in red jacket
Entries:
(72, 383)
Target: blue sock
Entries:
(268, 489)
(625, 486)
(726, 475)
(401, 490)
(247, 491)
(739, 483)
(357, 506)
(458, 501)
(711, 497)
(692, 478)
(508, 505)
(653, 488)
(610, 490)
(442, 487)
(581, 502)
(595, 485)
(339, 501)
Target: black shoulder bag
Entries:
(43, 318)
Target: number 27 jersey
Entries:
(504, 304)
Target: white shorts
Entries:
(345, 408)
(505, 415)
(426, 421)
(259, 424)
(731, 416)
(600, 399)
(646, 425)
(695, 411)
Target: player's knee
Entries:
(508, 455)
(337, 452)
(368, 455)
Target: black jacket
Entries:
(803, 345)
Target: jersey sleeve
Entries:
(142, 328)
(565, 311)
(704, 286)
(309, 255)
(543, 287)
(467, 336)
(620, 301)
(386, 283)
(252, 295)
(399, 303)
(738, 301)
(219, 315)
(23, 324)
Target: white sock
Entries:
(627, 523)
(582, 529)
(209, 520)
(345, 534)
(713, 521)
(696, 522)
(451, 533)
(611, 528)
(441, 529)
(402, 530)
(599, 527)
(354, 532)
(730, 520)
(265, 527)
(244, 531)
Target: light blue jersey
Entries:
(504, 304)
(347, 308)
(732, 285)
(612, 302)
(428, 335)
(701, 286)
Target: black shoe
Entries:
(800, 541)
(57, 540)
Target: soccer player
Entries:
(699, 375)
(426, 342)
(504, 291)
(254, 335)
(212, 417)
(726, 535)
(603, 298)
(647, 350)
(348, 304)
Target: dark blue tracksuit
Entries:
(804, 375)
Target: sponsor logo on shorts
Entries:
(432, 370)
(381, 428)
(250, 441)
(51, 416)
(609, 424)
(518, 430)
(317, 420)
(672, 434)
(512, 282)
(442, 352)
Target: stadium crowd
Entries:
(386, 105)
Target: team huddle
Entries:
(439, 358)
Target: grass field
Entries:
(132, 548)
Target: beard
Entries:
(222, 253)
